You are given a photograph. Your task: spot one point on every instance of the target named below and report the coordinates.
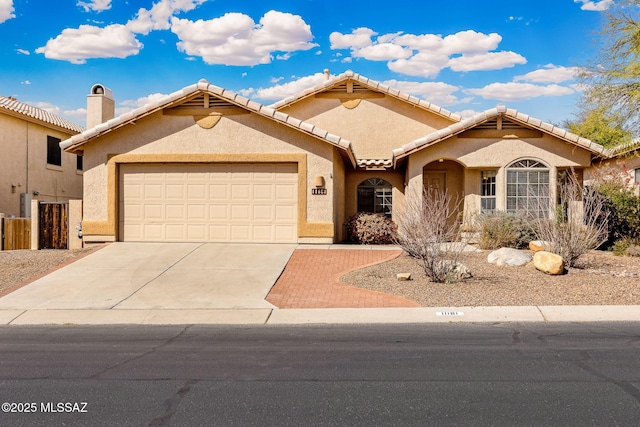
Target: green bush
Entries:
(502, 229)
(626, 247)
(371, 229)
(624, 213)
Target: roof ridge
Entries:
(498, 111)
(12, 104)
(376, 85)
(231, 96)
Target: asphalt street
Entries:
(429, 374)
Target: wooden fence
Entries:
(16, 233)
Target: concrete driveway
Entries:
(151, 276)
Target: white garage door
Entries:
(209, 203)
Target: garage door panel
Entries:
(209, 202)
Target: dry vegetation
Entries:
(598, 278)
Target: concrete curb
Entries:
(424, 315)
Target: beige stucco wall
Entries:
(375, 127)
(476, 154)
(622, 168)
(236, 138)
(24, 147)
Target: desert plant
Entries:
(370, 229)
(626, 247)
(504, 229)
(428, 231)
(623, 205)
(580, 225)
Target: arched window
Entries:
(374, 195)
(528, 188)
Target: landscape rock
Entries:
(403, 276)
(539, 245)
(509, 257)
(457, 271)
(548, 262)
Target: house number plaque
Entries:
(319, 191)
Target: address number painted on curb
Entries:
(449, 313)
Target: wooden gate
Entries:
(16, 233)
(53, 225)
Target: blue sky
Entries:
(464, 55)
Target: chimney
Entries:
(100, 105)
(326, 74)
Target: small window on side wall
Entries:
(375, 195)
(79, 163)
(54, 152)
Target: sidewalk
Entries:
(299, 293)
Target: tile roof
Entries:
(375, 163)
(204, 86)
(15, 106)
(499, 111)
(371, 84)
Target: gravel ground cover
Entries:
(16, 267)
(599, 278)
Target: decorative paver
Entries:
(311, 279)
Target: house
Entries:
(205, 164)
(33, 165)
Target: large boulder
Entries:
(548, 262)
(539, 245)
(509, 256)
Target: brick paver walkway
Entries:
(311, 279)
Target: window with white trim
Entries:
(488, 191)
(528, 188)
(375, 195)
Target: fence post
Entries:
(75, 217)
(1, 231)
(35, 225)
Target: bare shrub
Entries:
(579, 224)
(371, 229)
(428, 231)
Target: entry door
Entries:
(435, 181)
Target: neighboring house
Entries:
(205, 164)
(33, 164)
(622, 164)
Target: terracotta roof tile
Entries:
(30, 111)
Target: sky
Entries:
(465, 55)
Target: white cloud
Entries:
(465, 114)
(235, 39)
(132, 104)
(427, 54)
(26, 82)
(383, 52)
(436, 92)
(160, 14)
(519, 91)
(95, 5)
(486, 61)
(359, 38)
(23, 51)
(6, 10)
(550, 74)
(281, 91)
(76, 45)
(597, 6)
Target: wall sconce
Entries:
(440, 160)
(319, 181)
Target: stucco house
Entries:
(33, 164)
(205, 164)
